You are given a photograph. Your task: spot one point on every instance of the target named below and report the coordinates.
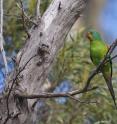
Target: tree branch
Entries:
(49, 34)
(38, 14)
(53, 95)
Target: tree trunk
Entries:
(35, 59)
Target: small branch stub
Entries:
(60, 6)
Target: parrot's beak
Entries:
(89, 36)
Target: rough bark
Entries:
(39, 53)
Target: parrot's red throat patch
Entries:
(89, 36)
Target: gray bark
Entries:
(45, 41)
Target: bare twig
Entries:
(1, 37)
(25, 15)
(12, 15)
(23, 18)
(85, 101)
(38, 14)
(111, 58)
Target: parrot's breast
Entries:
(97, 51)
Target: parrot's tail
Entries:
(110, 87)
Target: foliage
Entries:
(14, 33)
(72, 63)
(43, 6)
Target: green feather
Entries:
(95, 35)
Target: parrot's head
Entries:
(93, 36)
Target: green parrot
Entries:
(98, 49)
